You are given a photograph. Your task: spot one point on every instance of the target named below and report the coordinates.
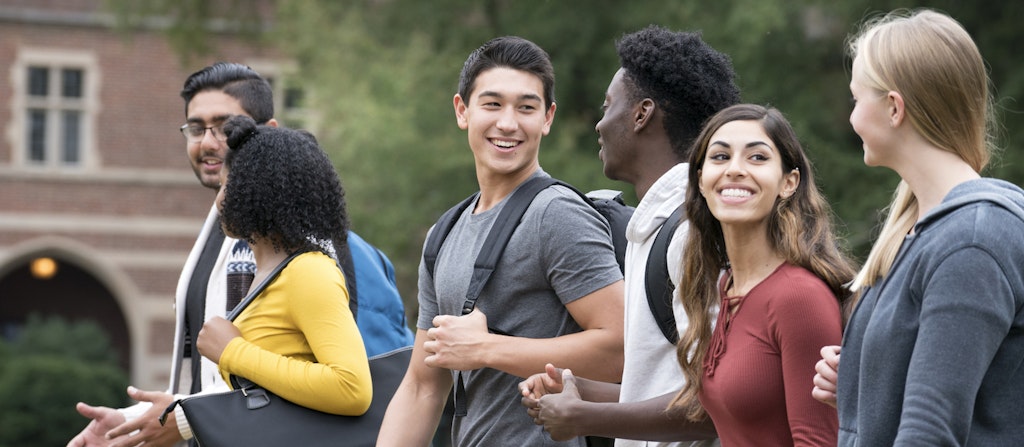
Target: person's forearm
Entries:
(594, 354)
(410, 419)
(415, 409)
(595, 391)
(648, 420)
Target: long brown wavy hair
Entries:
(800, 230)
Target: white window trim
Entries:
(90, 107)
(283, 73)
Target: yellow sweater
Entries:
(299, 340)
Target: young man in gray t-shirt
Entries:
(556, 294)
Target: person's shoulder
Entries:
(792, 273)
(312, 270)
(561, 193)
(314, 262)
(558, 202)
(796, 283)
(980, 207)
(798, 291)
(983, 224)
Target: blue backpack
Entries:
(379, 311)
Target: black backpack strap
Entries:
(505, 224)
(659, 286)
(441, 229)
(499, 235)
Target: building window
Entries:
(53, 107)
(289, 95)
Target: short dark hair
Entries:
(510, 52)
(687, 79)
(283, 188)
(239, 81)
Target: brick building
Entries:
(98, 205)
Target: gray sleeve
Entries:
(576, 244)
(426, 297)
(960, 332)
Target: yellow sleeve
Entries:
(300, 341)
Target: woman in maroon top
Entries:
(757, 216)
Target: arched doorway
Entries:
(31, 287)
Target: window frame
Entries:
(284, 77)
(56, 108)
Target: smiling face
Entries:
(219, 200)
(505, 119)
(615, 130)
(210, 108)
(741, 175)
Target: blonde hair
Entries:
(930, 60)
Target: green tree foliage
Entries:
(382, 74)
(49, 367)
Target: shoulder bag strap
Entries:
(259, 288)
(240, 382)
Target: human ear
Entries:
(790, 182)
(460, 111)
(897, 110)
(644, 112)
(549, 117)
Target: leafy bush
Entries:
(50, 366)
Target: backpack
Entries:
(373, 297)
(608, 203)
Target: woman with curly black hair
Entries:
(298, 338)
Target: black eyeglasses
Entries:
(194, 132)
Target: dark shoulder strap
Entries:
(259, 288)
(497, 238)
(490, 253)
(659, 286)
(441, 229)
(348, 269)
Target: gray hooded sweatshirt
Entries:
(934, 352)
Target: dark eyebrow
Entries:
(525, 97)
(748, 145)
(216, 119)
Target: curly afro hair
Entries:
(686, 78)
(281, 187)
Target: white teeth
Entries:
(500, 143)
(734, 192)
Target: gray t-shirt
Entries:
(560, 252)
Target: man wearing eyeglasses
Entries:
(214, 275)
(218, 271)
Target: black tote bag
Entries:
(254, 417)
